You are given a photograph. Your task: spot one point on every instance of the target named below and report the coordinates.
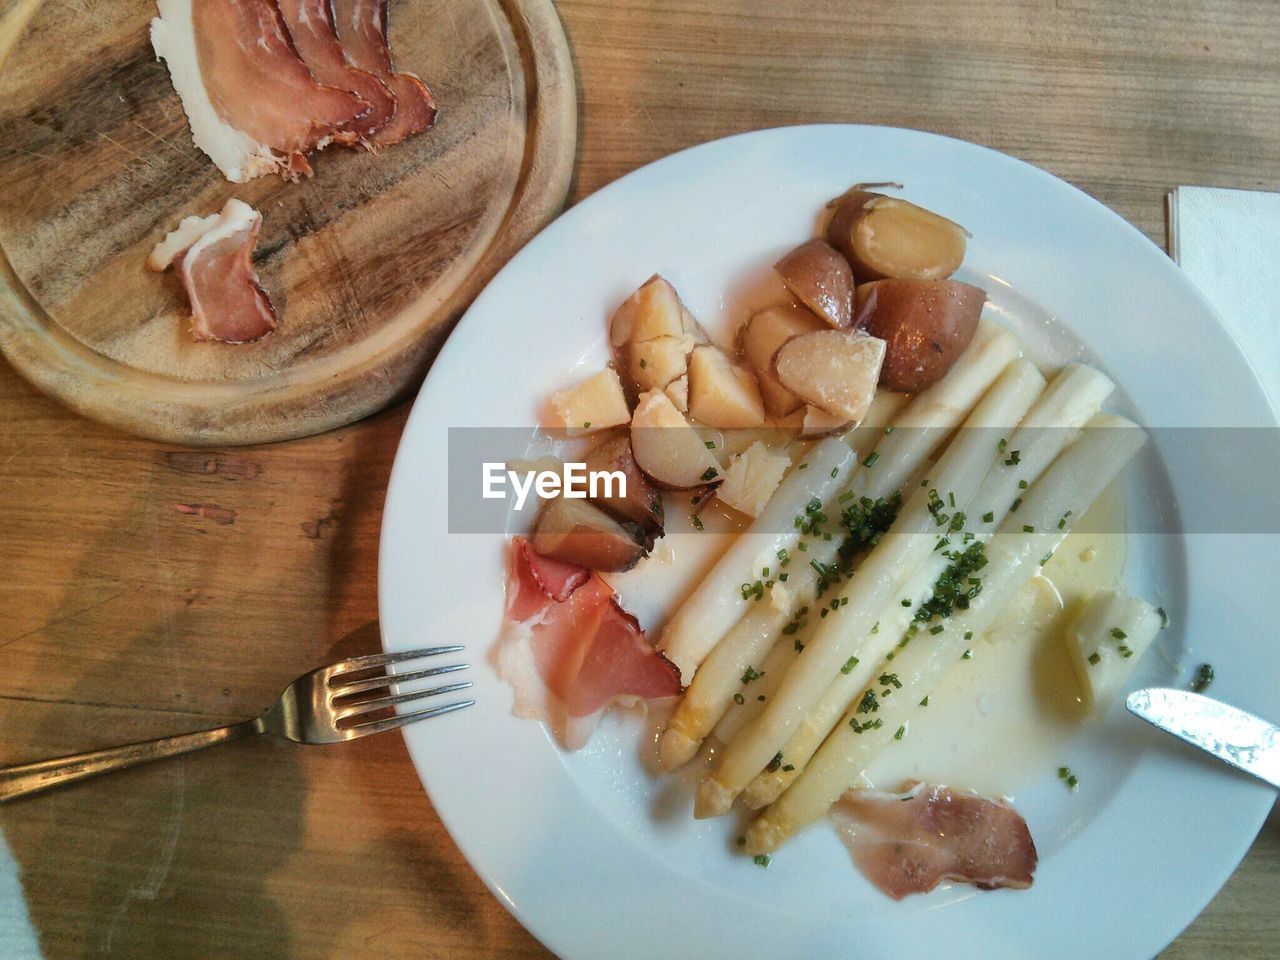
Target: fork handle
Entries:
(26, 779)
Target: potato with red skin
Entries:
(888, 237)
(926, 325)
(823, 280)
(642, 502)
(577, 531)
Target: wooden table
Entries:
(128, 615)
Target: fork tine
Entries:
(342, 688)
(368, 706)
(402, 719)
(383, 659)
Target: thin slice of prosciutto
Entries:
(315, 37)
(253, 105)
(569, 650)
(214, 257)
(910, 842)
(362, 28)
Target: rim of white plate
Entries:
(519, 819)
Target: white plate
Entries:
(595, 857)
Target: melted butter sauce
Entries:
(1007, 715)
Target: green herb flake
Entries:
(872, 459)
(1204, 677)
(710, 473)
(709, 444)
(1118, 633)
(739, 699)
(989, 517)
(849, 665)
(1095, 658)
(761, 860)
(901, 730)
(697, 522)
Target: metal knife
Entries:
(1246, 742)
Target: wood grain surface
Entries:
(150, 588)
(369, 262)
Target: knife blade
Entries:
(1234, 736)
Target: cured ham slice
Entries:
(214, 259)
(253, 105)
(362, 28)
(910, 842)
(569, 650)
(311, 26)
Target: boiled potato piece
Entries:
(760, 339)
(577, 531)
(641, 503)
(835, 370)
(667, 447)
(818, 423)
(652, 334)
(678, 392)
(596, 403)
(926, 325)
(653, 311)
(1107, 640)
(890, 237)
(821, 277)
(752, 478)
(656, 363)
(722, 393)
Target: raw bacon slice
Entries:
(910, 842)
(214, 258)
(569, 650)
(362, 28)
(253, 106)
(311, 26)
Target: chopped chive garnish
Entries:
(1118, 633)
(739, 699)
(901, 730)
(803, 466)
(1013, 507)
(1125, 651)
(834, 471)
(709, 444)
(925, 701)
(761, 860)
(936, 629)
(1095, 658)
(1072, 782)
(750, 674)
(1022, 484)
(871, 459)
(586, 425)
(988, 517)
(709, 473)
(1002, 444)
(968, 634)
(1028, 528)
(875, 628)
(1204, 677)
(1015, 458)
(1164, 617)
(906, 601)
(968, 655)
(783, 577)
(697, 522)
(788, 767)
(849, 665)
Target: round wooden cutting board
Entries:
(368, 263)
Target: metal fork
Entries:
(323, 706)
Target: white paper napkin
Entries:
(1228, 243)
(17, 938)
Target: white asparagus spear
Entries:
(1075, 395)
(879, 579)
(718, 601)
(1069, 486)
(1107, 640)
(930, 415)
